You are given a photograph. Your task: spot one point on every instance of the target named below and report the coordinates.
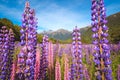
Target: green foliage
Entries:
(115, 57)
(9, 24)
(39, 38)
(114, 27)
(16, 52)
(86, 36)
(62, 66)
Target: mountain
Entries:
(86, 33)
(60, 34)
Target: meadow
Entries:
(49, 59)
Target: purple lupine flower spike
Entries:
(26, 57)
(44, 59)
(7, 48)
(102, 48)
(76, 66)
(11, 49)
(5, 53)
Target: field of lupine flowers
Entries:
(29, 60)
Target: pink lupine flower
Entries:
(50, 59)
(57, 71)
(37, 65)
(66, 69)
(50, 55)
(13, 71)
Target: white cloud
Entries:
(51, 17)
(55, 17)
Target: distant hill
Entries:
(114, 27)
(9, 24)
(60, 34)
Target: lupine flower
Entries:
(7, 46)
(50, 55)
(26, 58)
(5, 53)
(102, 48)
(56, 48)
(50, 60)
(44, 59)
(24, 42)
(66, 69)
(77, 67)
(86, 73)
(11, 48)
(13, 70)
(21, 63)
(1, 44)
(72, 71)
(37, 65)
(57, 71)
(31, 46)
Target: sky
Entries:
(55, 14)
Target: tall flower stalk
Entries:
(76, 67)
(44, 59)
(5, 54)
(50, 60)
(26, 58)
(14, 66)
(86, 73)
(102, 48)
(57, 71)
(7, 48)
(37, 65)
(11, 48)
(66, 69)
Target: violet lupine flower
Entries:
(72, 71)
(6, 65)
(77, 56)
(86, 73)
(66, 69)
(1, 43)
(118, 73)
(26, 58)
(31, 46)
(24, 42)
(57, 71)
(4, 52)
(44, 59)
(21, 64)
(11, 49)
(102, 48)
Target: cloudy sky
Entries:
(55, 14)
